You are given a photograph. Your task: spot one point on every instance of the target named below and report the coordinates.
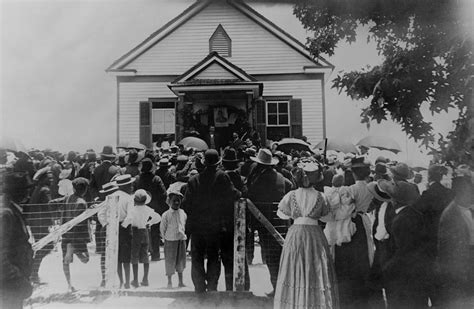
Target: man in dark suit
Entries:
(206, 197)
(406, 271)
(105, 171)
(17, 255)
(265, 188)
(456, 245)
(432, 203)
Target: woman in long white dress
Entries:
(307, 277)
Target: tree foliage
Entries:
(427, 52)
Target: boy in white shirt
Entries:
(141, 217)
(173, 232)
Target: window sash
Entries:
(276, 114)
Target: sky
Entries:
(56, 94)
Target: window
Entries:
(278, 120)
(163, 117)
(278, 113)
(220, 42)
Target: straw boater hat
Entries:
(122, 180)
(141, 197)
(265, 157)
(109, 188)
(374, 189)
(108, 153)
(164, 163)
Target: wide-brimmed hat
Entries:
(211, 157)
(374, 189)
(175, 188)
(164, 163)
(359, 162)
(108, 153)
(400, 191)
(230, 155)
(109, 188)
(41, 173)
(122, 180)
(141, 197)
(65, 173)
(265, 157)
(401, 171)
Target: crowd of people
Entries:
(357, 234)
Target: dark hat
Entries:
(374, 189)
(141, 197)
(230, 155)
(211, 157)
(164, 163)
(123, 180)
(400, 191)
(380, 169)
(265, 157)
(132, 156)
(91, 156)
(71, 155)
(381, 159)
(80, 184)
(108, 153)
(436, 171)
(401, 171)
(147, 165)
(17, 181)
(359, 162)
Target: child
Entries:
(74, 241)
(339, 228)
(140, 217)
(172, 230)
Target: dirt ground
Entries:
(52, 293)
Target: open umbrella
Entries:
(194, 142)
(288, 144)
(338, 144)
(380, 142)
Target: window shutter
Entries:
(296, 118)
(145, 124)
(261, 120)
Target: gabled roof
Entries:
(194, 9)
(214, 58)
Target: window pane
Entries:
(272, 108)
(283, 108)
(283, 119)
(272, 120)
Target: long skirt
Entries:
(307, 278)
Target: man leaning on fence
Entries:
(16, 252)
(265, 188)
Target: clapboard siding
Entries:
(310, 91)
(130, 95)
(254, 49)
(215, 71)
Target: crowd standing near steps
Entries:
(379, 221)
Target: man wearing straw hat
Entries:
(265, 188)
(206, 197)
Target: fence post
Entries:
(111, 242)
(239, 245)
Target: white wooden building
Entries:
(220, 66)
